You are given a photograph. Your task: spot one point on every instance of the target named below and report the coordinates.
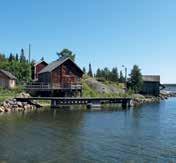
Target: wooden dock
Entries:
(59, 101)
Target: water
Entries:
(170, 87)
(145, 134)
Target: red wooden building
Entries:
(61, 77)
(38, 67)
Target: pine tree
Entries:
(90, 71)
(114, 75)
(98, 73)
(11, 57)
(16, 57)
(121, 78)
(84, 70)
(42, 59)
(135, 81)
(22, 56)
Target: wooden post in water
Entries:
(53, 103)
(124, 103)
(129, 103)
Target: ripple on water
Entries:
(146, 134)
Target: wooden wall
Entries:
(5, 82)
(151, 88)
(38, 68)
(64, 75)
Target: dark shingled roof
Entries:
(151, 78)
(53, 65)
(8, 74)
(40, 62)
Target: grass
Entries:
(44, 103)
(6, 94)
(90, 92)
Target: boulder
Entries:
(1, 109)
(19, 104)
(23, 95)
(7, 109)
(19, 109)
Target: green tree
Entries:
(22, 56)
(2, 57)
(135, 81)
(90, 71)
(106, 73)
(42, 59)
(98, 73)
(84, 70)
(121, 78)
(114, 76)
(11, 57)
(66, 53)
(22, 70)
(16, 57)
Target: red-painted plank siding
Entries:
(66, 74)
(38, 68)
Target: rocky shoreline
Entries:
(12, 105)
(140, 100)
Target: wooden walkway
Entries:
(59, 101)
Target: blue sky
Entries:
(104, 32)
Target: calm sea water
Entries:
(145, 134)
(171, 88)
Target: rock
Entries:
(1, 109)
(11, 102)
(4, 104)
(103, 88)
(19, 104)
(23, 95)
(7, 109)
(19, 109)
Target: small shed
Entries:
(38, 66)
(7, 80)
(151, 85)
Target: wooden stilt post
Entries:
(124, 103)
(53, 103)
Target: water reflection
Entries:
(145, 134)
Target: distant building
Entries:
(7, 80)
(151, 85)
(38, 67)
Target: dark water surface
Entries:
(146, 134)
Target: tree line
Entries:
(23, 69)
(134, 82)
(17, 64)
(106, 74)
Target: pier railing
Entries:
(55, 86)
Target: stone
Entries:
(7, 110)
(1, 109)
(19, 104)
(19, 109)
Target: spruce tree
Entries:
(135, 81)
(84, 70)
(90, 71)
(22, 56)
(16, 57)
